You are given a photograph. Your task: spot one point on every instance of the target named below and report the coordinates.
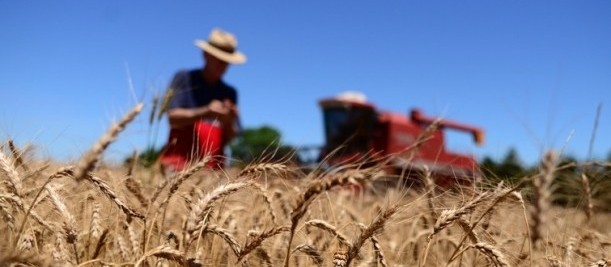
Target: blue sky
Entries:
(531, 73)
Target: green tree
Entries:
(261, 144)
(509, 168)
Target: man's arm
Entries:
(231, 125)
(180, 117)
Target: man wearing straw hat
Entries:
(202, 110)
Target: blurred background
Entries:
(532, 74)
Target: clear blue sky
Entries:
(531, 73)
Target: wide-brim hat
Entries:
(222, 45)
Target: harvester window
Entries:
(350, 130)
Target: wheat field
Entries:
(274, 214)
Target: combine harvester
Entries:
(356, 131)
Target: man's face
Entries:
(215, 66)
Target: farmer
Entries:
(202, 111)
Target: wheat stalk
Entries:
(312, 252)
(268, 201)
(447, 217)
(494, 255)
(17, 156)
(225, 235)
(199, 211)
(589, 206)
(107, 191)
(315, 188)
(255, 169)
(542, 183)
(70, 231)
(88, 161)
(13, 176)
(257, 238)
(134, 187)
(369, 231)
(327, 227)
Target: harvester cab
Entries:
(356, 132)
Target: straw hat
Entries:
(222, 45)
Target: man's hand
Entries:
(225, 111)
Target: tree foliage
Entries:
(261, 144)
(509, 167)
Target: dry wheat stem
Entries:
(327, 227)
(312, 252)
(589, 206)
(542, 193)
(88, 161)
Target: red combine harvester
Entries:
(356, 130)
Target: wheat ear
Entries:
(312, 252)
(447, 217)
(315, 188)
(70, 231)
(255, 169)
(268, 201)
(17, 156)
(369, 231)
(164, 252)
(494, 255)
(257, 238)
(468, 228)
(134, 187)
(327, 227)
(107, 191)
(88, 161)
(225, 235)
(13, 176)
(197, 218)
